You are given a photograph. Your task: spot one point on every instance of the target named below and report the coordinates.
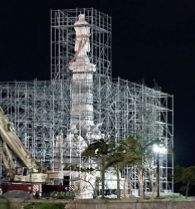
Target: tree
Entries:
(99, 150)
(124, 152)
(186, 176)
(114, 154)
(147, 155)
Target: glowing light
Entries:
(160, 149)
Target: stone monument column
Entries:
(82, 115)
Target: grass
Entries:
(174, 197)
(4, 204)
(45, 206)
(177, 197)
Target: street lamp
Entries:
(158, 149)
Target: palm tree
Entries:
(146, 147)
(99, 150)
(116, 155)
(124, 152)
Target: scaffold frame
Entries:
(63, 37)
(40, 110)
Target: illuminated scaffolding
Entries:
(63, 40)
(41, 110)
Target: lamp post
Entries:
(158, 149)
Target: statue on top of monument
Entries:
(82, 45)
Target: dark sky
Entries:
(152, 40)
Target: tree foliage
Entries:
(185, 176)
(116, 154)
(124, 152)
(100, 151)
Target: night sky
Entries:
(153, 41)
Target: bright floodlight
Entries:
(159, 148)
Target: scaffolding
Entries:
(41, 110)
(63, 40)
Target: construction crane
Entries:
(23, 171)
(16, 157)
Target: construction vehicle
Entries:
(22, 171)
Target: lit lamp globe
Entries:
(159, 149)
